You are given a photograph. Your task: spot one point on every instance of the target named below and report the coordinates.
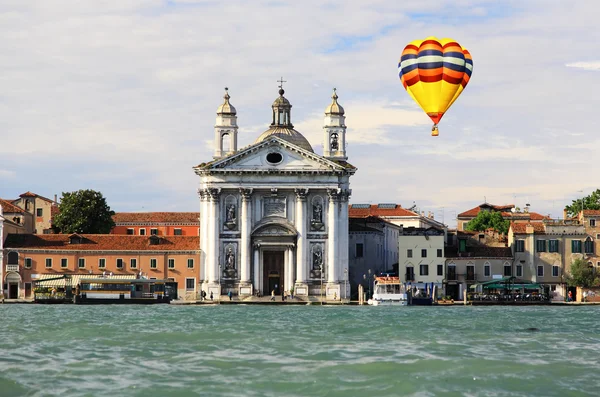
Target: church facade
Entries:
(274, 215)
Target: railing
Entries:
(451, 276)
(527, 297)
(12, 268)
(410, 277)
(470, 276)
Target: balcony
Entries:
(12, 268)
(451, 274)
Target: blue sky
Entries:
(120, 96)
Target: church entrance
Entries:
(273, 272)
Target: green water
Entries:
(226, 350)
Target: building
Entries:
(16, 220)
(274, 215)
(508, 211)
(396, 214)
(473, 260)
(373, 250)
(31, 257)
(544, 251)
(421, 256)
(157, 223)
(591, 223)
(39, 211)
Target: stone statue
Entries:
(334, 142)
(317, 259)
(231, 213)
(317, 213)
(229, 260)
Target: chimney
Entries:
(565, 213)
(529, 229)
(55, 198)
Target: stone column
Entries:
(301, 262)
(344, 241)
(332, 237)
(256, 266)
(214, 226)
(289, 278)
(246, 223)
(203, 236)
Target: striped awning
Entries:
(54, 280)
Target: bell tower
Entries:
(226, 129)
(334, 143)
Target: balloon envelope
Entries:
(435, 72)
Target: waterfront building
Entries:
(543, 251)
(38, 212)
(396, 214)
(473, 259)
(591, 223)
(373, 250)
(421, 256)
(157, 223)
(16, 220)
(274, 215)
(31, 257)
(508, 211)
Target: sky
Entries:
(120, 96)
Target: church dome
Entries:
(334, 107)
(287, 134)
(226, 107)
(282, 127)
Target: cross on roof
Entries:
(281, 81)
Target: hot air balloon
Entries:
(435, 72)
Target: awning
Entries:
(513, 286)
(58, 280)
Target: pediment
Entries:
(274, 155)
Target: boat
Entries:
(128, 291)
(388, 291)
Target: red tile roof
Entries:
(521, 228)
(10, 208)
(156, 217)
(30, 194)
(102, 242)
(505, 210)
(591, 212)
(357, 211)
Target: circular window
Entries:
(274, 158)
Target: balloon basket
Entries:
(435, 131)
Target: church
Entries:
(274, 214)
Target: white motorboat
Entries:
(389, 291)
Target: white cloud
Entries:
(594, 65)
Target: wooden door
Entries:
(272, 272)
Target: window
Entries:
(507, 270)
(154, 232)
(133, 263)
(424, 270)
(27, 263)
(462, 245)
(519, 271)
(48, 263)
(130, 231)
(598, 236)
(177, 232)
(424, 253)
(487, 270)
(152, 263)
(142, 232)
(540, 245)
(520, 246)
(410, 273)
(552, 245)
(440, 253)
(171, 263)
(13, 258)
(40, 212)
(576, 246)
(64, 263)
(440, 270)
(190, 263)
(588, 246)
(540, 271)
(359, 250)
(592, 223)
(451, 273)
(119, 263)
(190, 283)
(555, 270)
(409, 253)
(470, 273)
(81, 263)
(101, 263)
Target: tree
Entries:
(84, 211)
(582, 275)
(488, 219)
(591, 202)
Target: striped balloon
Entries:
(435, 73)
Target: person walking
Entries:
(230, 295)
(211, 295)
(272, 295)
(282, 295)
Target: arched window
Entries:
(588, 246)
(13, 258)
(226, 142)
